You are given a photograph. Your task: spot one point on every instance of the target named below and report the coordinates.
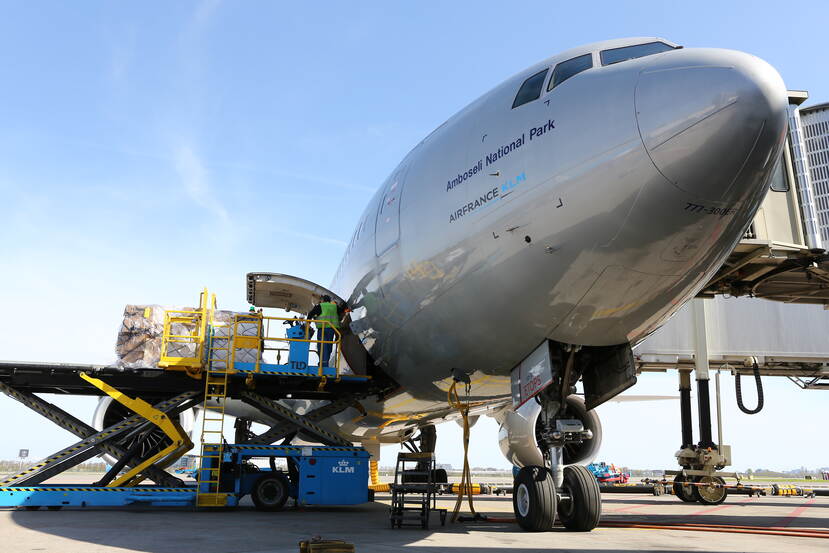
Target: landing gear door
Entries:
(532, 375)
(387, 230)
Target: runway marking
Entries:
(796, 513)
(629, 508)
(720, 507)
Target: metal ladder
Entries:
(219, 366)
(414, 490)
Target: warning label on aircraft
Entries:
(532, 375)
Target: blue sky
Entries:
(148, 149)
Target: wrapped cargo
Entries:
(140, 336)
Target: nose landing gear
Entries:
(572, 490)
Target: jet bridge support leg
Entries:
(685, 409)
(699, 479)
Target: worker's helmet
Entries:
(252, 309)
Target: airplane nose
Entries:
(702, 114)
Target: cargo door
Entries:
(387, 227)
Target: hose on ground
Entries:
(739, 391)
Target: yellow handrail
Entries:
(262, 337)
(195, 319)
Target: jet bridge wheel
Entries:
(709, 494)
(534, 499)
(685, 493)
(583, 507)
(270, 492)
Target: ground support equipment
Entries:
(203, 361)
(414, 491)
(316, 476)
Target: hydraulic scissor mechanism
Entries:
(297, 422)
(107, 441)
(179, 442)
(287, 427)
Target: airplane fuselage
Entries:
(587, 216)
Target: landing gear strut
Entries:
(540, 491)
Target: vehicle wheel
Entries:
(534, 499)
(712, 493)
(683, 492)
(582, 511)
(32, 507)
(55, 507)
(270, 492)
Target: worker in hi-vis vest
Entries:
(331, 313)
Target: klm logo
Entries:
(343, 467)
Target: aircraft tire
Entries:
(710, 495)
(581, 513)
(685, 493)
(534, 499)
(270, 492)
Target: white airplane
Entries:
(553, 223)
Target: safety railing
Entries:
(255, 335)
(183, 338)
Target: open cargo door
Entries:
(285, 292)
(299, 295)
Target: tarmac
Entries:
(245, 530)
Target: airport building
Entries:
(814, 125)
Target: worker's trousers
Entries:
(327, 335)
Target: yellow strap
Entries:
(465, 485)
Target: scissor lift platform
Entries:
(204, 362)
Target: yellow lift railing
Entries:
(182, 343)
(254, 334)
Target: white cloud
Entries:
(194, 179)
(308, 236)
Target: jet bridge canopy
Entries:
(285, 292)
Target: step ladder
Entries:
(219, 366)
(414, 491)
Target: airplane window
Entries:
(779, 182)
(531, 89)
(617, 55)
(567, 69)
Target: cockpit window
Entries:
(531, 89)
(567, 69)
(617, 55)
